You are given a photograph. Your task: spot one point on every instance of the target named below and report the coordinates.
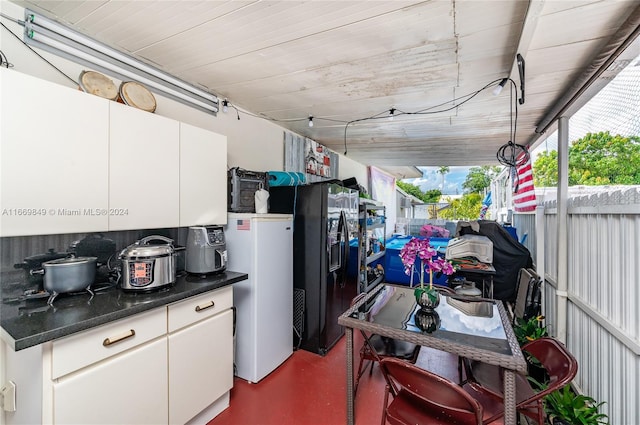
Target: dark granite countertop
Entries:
(26, 323)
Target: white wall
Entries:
(350, 168)
(253, 143)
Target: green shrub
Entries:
(529, 330)
(573, 408)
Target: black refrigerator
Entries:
(325, 221)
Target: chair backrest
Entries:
(528, 296)
(559, 363)
(432, 391)
(534, 296)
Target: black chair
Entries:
(528, 296)
(376, 347)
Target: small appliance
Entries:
(242, 187)
(206, 250)
(147, 267)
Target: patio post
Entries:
(563, 189)
(541, 243)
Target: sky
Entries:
(431, 179)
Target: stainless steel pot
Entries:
(147, 267)
(34, 262)
(67, 275)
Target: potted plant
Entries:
(419, 253)
(529, 330)
(565, 407)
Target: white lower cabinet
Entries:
(200, 366)
(130, 388)
(171, 364)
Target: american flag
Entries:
(524, 196)
(243, 224)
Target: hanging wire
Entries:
(426, 111)
(511, 154)
(4, 60)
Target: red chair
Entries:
(376, 347)
(422, 397)
(558, 362)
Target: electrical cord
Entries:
(426, 111)
(511, 154)
(4, 60)
(381, 115)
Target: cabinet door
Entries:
(203, 176)
(130, 388)
(53, 158)
(200, 366)
(143, 170)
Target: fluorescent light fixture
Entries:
(49, 35)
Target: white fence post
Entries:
(563, 185)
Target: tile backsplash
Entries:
(13, 250)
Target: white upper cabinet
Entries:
(203, 176)
(54, 156)
(71, 162)
(144, 176)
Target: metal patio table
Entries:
(478, 329)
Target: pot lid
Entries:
(142, 248)
(35, 261)
(49, 255)
(146, 251)
(73, 260)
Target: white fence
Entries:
(603, 311)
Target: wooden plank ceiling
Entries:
(340, 61)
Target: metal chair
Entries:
(558, 362)
(528, 295)
(376, 347)
(422, 397)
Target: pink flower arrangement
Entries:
(420, 249)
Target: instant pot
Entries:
(148, 267)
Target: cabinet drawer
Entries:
(200, 307)
(88, 347)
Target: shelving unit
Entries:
(372, 231)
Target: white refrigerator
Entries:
(261, 245)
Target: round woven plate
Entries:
(136, 95)
(98, 84)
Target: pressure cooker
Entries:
(148, 267)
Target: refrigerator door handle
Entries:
(343, 240)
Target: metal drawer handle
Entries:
(108, 341)
(199, 308)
